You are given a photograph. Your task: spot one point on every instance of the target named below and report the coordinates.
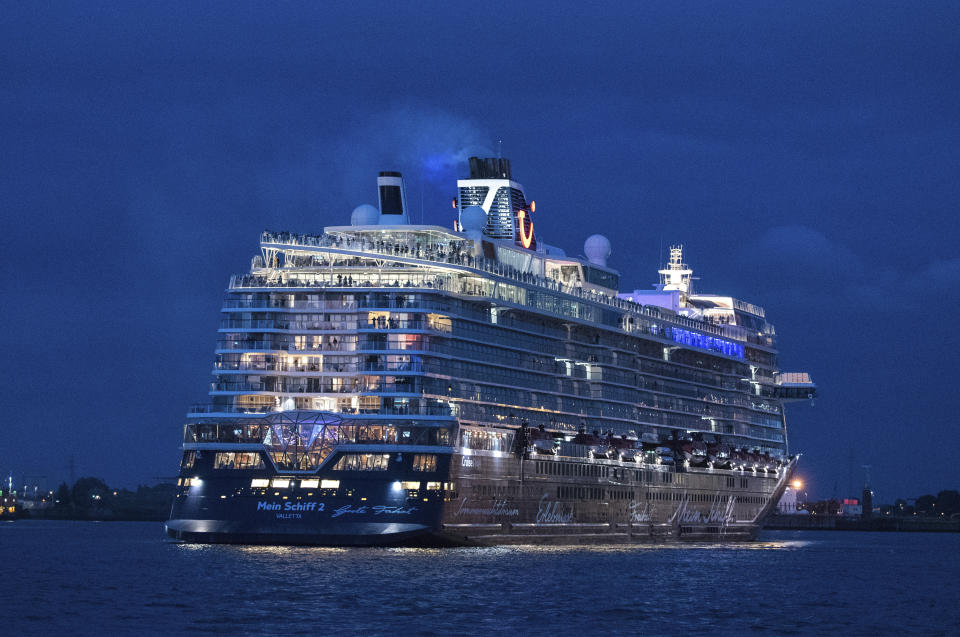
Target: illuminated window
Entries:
(309, 484)
(329, 484)
(362, 462)
(486, 440)
(242, 460)
(368, 404)
(433, 486)
(424, 462)
(259, 483)
(410, 486)
(223, 461)
(249, 460)
(189, 457)
(280, 483)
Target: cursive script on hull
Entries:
(553, 511)
(499, 508)
(379, 509)
(638, 514)
(721, 512)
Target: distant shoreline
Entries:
(883, 524)
(81, 518)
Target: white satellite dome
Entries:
(597, 249)
(364, 215)
(473, 218)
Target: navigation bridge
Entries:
(795, 386)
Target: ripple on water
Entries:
(122, 578)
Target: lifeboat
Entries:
(719, 455)
(664, 455)
(649, 446)
(599, 446)
(603, 452)
(621, 442)
(544, 443)
(698, 454)
(546, 447)
(737, 459)
(590, 440)
(625, 448)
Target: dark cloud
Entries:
(804, 263)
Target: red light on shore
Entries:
(533, 206)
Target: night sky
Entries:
(807, 158)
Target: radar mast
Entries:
(677, 275)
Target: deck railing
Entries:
(454, 256)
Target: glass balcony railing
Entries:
(334, 325)
(325, 368)
(318, 388)
(413, 410)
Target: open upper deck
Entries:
(453, 256)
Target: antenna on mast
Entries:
(677, 274)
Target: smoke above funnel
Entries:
(334, 174)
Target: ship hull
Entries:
(485, 500)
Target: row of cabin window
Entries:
(486, 440)
(494, 490)
(732, 482)
(573, 469)
(238, 460)
(426, 462)
(226, 460)
(580, 493)
(347, 462)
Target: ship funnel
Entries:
(489, 168)
(393, 199)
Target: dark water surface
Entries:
(79, 578)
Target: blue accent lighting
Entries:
(695, 339)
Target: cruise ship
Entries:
(390, 383)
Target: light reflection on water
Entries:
(77, 578)
(519, 549)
